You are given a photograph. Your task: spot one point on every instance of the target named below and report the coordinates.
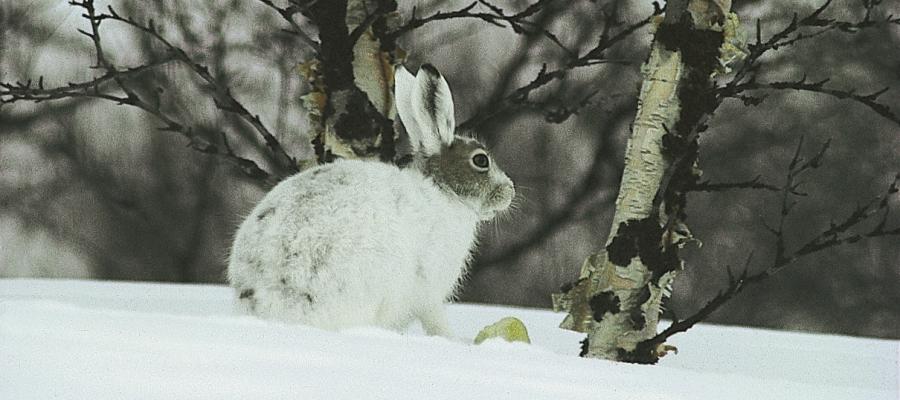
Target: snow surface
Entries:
(115, 340)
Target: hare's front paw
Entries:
(434, 321)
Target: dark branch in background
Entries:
(518, 21)
(521, 24)
(811, 26)
(835, 235)
(594, 56)
(755, 183)
(288, 15)
(12, 92)
(869, 100)
(223, 98)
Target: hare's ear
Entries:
(425, 105)
(404, 86)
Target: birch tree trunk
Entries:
(351, 100)
(617, 300)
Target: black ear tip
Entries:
(430, 69)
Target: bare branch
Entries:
(868, 100)
(288, 15)
(12, 92)
(518, 21)
(811, 26)
(545, 76)
(224, 100)
(836, 234)
(755, 183)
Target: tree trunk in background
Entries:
(617, 300)
(351, 100)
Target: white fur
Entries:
(371, 244)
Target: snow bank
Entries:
(115, 340)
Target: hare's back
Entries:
(351, 191)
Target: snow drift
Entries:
(116, 340)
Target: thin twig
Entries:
(288, 15)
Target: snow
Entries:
(114, 340)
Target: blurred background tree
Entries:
(89, 189)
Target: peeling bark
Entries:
(617, 300)
(351, 100)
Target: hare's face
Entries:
(466, 169)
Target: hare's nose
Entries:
(503, 196)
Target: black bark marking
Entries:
(356, 121)
(696, 93)
(602, 303)
(643, 238)
(246, 294)
(568, 286)
(642, 354)
(636, 315)
(584, 347)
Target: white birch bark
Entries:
(608, 296)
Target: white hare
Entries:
(368, 243)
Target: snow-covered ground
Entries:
(114, 340)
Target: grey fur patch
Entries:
(320, 255)
(398, 199)
(431, 91)
(420, 269)
(265, 213)
(296, 296)
(452, 170)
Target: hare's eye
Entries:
(481, 161)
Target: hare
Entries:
(357, 243)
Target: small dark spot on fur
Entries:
(246, 294)
(265, 213)
(320, 256)
(309, 297)
(420, 271)
(284, 281)
(398, 197)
